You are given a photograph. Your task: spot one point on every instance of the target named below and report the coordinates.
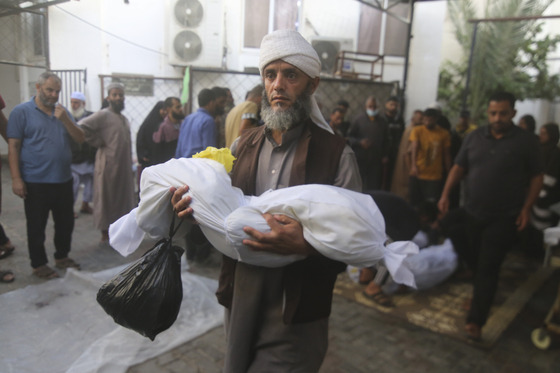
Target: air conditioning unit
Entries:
(195, 33)
(328, 48)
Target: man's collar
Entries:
(509, 132)
(288, 137)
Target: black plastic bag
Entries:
(147, 295)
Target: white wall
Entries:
(425, 55)
(79, 43)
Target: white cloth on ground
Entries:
(340, 224)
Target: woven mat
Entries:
(441, 308)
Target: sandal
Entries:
(8, 247)
(4, 253)
(45, 272)
(366, 276)
(66, 263)
(379, 298)
(9, 274)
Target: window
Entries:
(394, 32)
(259, 20)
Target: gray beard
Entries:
(77, 114)
(284, 120)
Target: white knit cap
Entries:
(114, 85)
(78, 96)
(290, 47)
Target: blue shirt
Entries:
(45, 155)
(198, 131)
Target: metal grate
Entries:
(72, 80)
(142, 92)
(23, 39)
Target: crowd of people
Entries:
(480, 185)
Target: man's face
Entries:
(391, 107)
(284, 83)
(371, 104)
(176, 111)
(48, 92)
(219, 105)
(417, 118)
(76, 104)
(544, 138)
(116, 99)
(500, 115)
(336, 119)
(429, 122)
(343, 110)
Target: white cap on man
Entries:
(77, 95)
(291, 47)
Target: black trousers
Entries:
(41, 199)
(489, 241)
(3, 238)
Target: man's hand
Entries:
(522, 219)
(181, 205)
(365, 143)
(443, 205)
(60, 113)
(19, 188)
(285, 237)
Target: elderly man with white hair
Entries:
(277, 318)
(83, 156)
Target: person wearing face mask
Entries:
(430, 159)
(368, 137)
(166, 136)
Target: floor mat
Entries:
(441, 308)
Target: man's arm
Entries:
(447, 158)
(456, 174)
(414, 145)
(18, 185)
(3, 126)
(535, 187)
(74, 131)
(208, 134)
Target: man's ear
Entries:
(314, 84)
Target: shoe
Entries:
(66, 263)
(473, 331)
(86, 210)
(104, 236)
(6, 277)
(4, 253)
(379, 298)
(45, 272)
(8, 247)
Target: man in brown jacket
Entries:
(277, 318)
